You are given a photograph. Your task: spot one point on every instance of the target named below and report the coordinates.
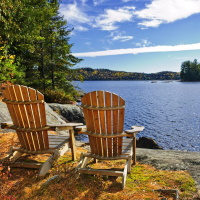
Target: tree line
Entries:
(106, 74)
(35, 48)
(190, 71)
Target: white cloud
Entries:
(140, 50)
(143, 43)
(73, 14)
(108, 20)
(80, 28)
(97, 2)
(123, 38)
(151, 23)
(166, 11)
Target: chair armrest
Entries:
(135, 129)
(66, 126)
(7, 125)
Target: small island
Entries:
(190, 71)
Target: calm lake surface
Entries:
(170, 111)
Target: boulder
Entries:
(4, 114)
(148, 143)
(53, 117)
(71, 113)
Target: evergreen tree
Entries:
(38, 39)
(190, 71)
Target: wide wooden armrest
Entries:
(66, 126)
(6, 125)
(134, 129)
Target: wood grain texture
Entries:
(28, 116)
(27, 110)
(104, 115)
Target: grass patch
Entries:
(142, 182)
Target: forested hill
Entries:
(106, 74)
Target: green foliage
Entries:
(106, 74)
(190, 71)
(37, 51)
(58, 96)
(8, 68)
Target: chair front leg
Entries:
(72, 143)
(134, 149)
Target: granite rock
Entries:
(71, 113)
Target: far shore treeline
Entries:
(106, 74)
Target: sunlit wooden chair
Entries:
(27, 110)
(104, 116)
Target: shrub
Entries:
(58, 96)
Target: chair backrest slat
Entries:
(96, 121)
(89, 119)
(10, 94)
(31, 137)
(115, 124)
(101, 103)
(24, 117)
(108, 113)
(31, 115)
(104, 114)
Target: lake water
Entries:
(170, 112)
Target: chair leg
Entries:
(15, 156)
(8, 157)
(134, 150)
(83, 162)
(46, 166)
(129, 164)
(125, 174)
(72, 144)
(64, 149)
(80, 165)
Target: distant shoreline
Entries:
(106, 74)
(178, 80)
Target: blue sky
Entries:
(134, 35)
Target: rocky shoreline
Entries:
(148, 152)
(172, 160)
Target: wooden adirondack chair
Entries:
(104, 116)
(27, 110)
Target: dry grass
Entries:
(141, 183)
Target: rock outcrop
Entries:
(71, 113)
(4, 114)
(172, 160)
(148, 143)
